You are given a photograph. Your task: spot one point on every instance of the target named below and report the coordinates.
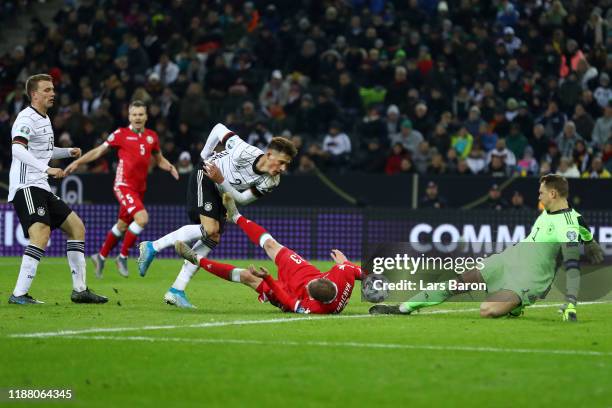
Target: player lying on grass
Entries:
(242, 170)
(135, 146)
(300, 288)
(524, 272)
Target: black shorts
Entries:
(34, 204)
(203, 198)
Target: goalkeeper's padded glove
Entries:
(568, 312)
(593, 252)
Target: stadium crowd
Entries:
(434, 87)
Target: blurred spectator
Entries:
(553, 120)
(603, 93)
(184, 164)
(394, 160)
(581, 156)
(461, 142)
(432, 197)
(274, 95)
(518, 202)
(494, 200)
(393, 122)
(584, 121)
(516, 141)
(474, 121)
(567, 168)
(408, 137)
(437, 164)
(338, 146)
(502, 151)
(528, 165)
(567, 139)
(371, 160)
(166, 70)
(553, 155)
(603, 128)
(498, 167)
(597, 170)
(260, 136)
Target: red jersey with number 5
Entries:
(134, 150)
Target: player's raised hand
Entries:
(213, 172)
(338, 256)
(56, 173)
(261, 273)
(75, 152)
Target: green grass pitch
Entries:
(233, 351)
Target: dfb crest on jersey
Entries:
(571, 235)
(208, 206)
(40, 211)
(150, 139)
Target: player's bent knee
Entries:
(142, 218)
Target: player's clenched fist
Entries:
(75, 152)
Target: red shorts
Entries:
(293, 272)
(130, 202)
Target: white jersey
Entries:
(237, 164)
(37, 131)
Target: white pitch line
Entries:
(188, 326)
(328, 344)
(242, 322)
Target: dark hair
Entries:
(32, 83)
(556, 182)
(137, 103)
(322, 290)
(283, 145)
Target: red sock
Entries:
(224, 271)
(128, 242)
(253, 230)
(109, 243)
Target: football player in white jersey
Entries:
(248, 173)
(38, 209)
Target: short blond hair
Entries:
(32, 83)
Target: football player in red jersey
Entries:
(300, 288)
(135, 145)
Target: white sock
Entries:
(116, 231)
(188, 270)
(75, 250)
(187, 233)
(135, 228)
(27, 272)
(236, 216)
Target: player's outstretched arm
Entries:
(66, 152)
(88, 157)
(243, 198)
(164, 164)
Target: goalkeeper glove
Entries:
(568, 312)
(593, 252)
